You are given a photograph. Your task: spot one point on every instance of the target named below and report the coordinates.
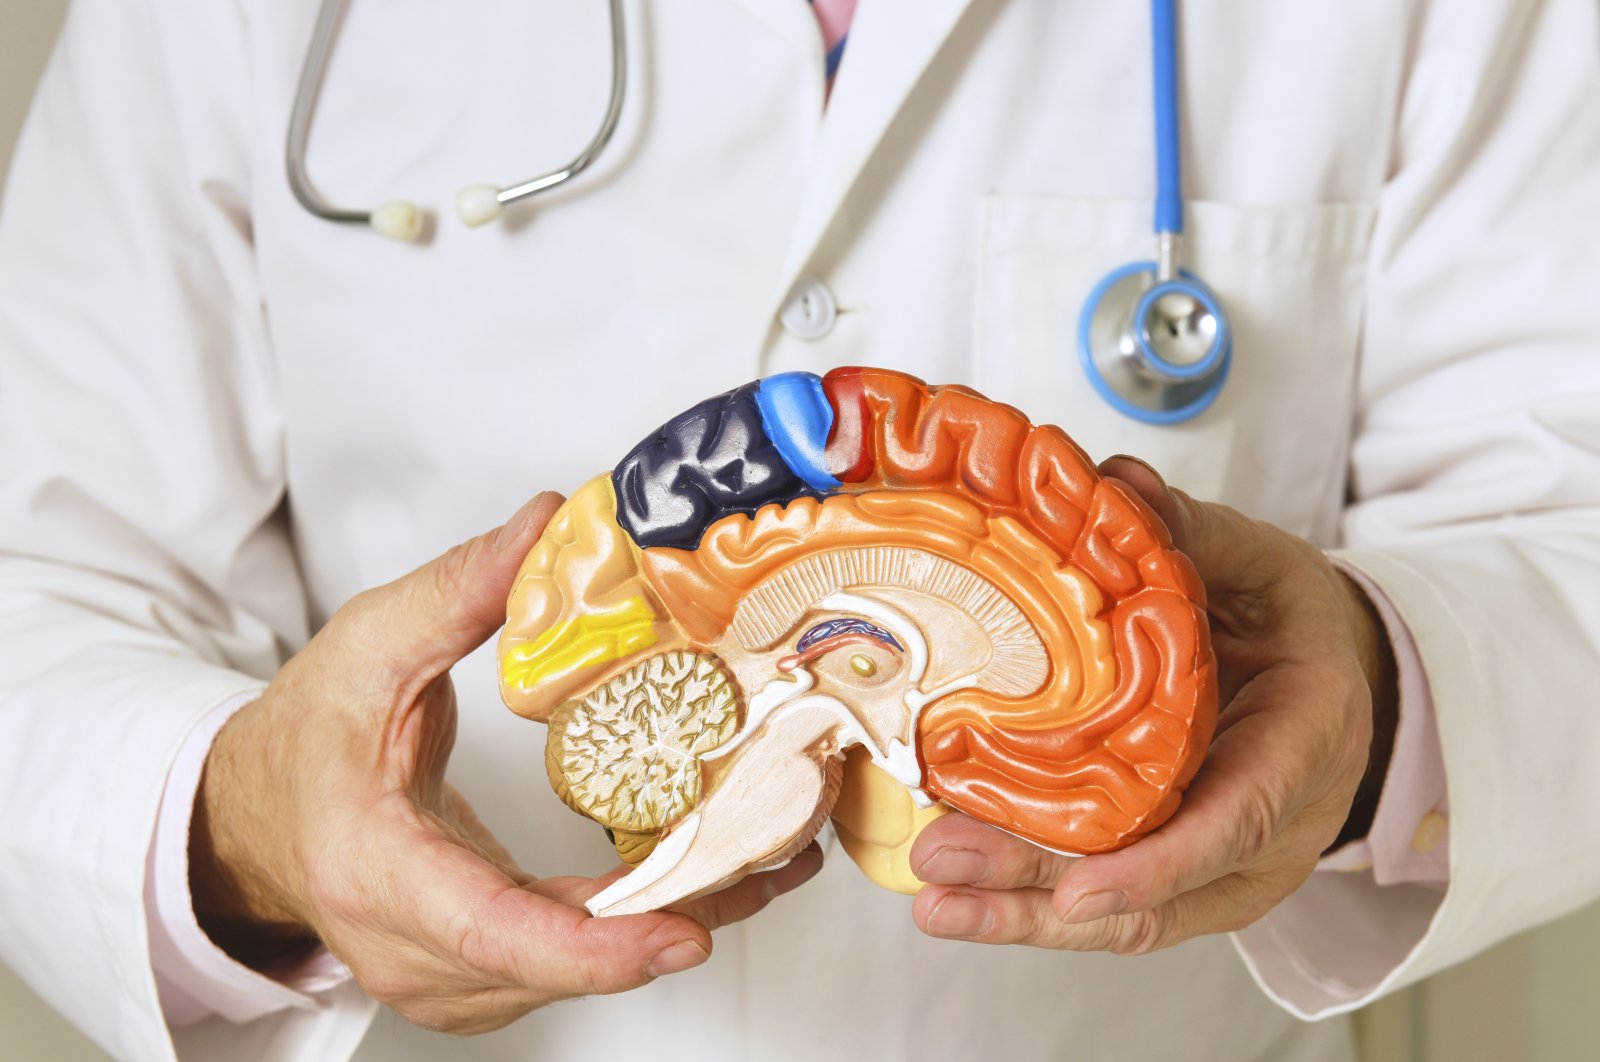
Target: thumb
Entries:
(1223, 544)
(437, 614)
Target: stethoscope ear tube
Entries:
(1154, 340)
(478, 204)
(399, 219)
(481, 203)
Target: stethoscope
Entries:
(1153, 338)
(478, 204)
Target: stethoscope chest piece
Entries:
(1157, 351)
(1153, 338)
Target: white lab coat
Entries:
(1396, 200)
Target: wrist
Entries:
(241, 871)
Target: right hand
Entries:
(324, 814)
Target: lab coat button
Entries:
(810, 310)
(1429, 832)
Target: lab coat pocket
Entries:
(1290, 278)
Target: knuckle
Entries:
(1258, 824)
(468, 939)
(1043, 868)
(720, 908)
(597, 965)
(450, 570)
(1037, 925)
(1139, 933)
(1243, 610)
(596, 976)
(1020, 867)
(736, 904)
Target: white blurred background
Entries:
(1533, 999)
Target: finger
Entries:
(749, 895)
(958, 850)
(425, 621)
(1027, 916)
(1230, 551)
(1007, 916)
(446, 902)
(1257, 777)
(556, 949)
(724, 907)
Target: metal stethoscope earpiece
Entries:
(1154, 339)
(478, 204)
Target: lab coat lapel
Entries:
(891, 44)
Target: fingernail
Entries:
(955, 866)
(513, 528)
(1142, 464)
(684, 955)
(958, 915)
(1098, 905)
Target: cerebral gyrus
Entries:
(806, 566)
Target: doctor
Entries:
(226, 424)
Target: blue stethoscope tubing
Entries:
(1114, 340)
(1169, 159)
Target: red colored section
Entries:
(849, 459)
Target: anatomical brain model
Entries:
(864, 597)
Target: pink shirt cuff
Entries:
(194, 977)
(1409, 842)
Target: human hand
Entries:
(324, 815)
(1308, 689)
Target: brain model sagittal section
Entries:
(860, 596)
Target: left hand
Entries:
(1307, 684)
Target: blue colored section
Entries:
(1164, 60)
(797, 418)
(707, 462)
(829, 628)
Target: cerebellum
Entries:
(628, 754)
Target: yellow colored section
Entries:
(583, 641)
(583, 565)
(877, 823)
